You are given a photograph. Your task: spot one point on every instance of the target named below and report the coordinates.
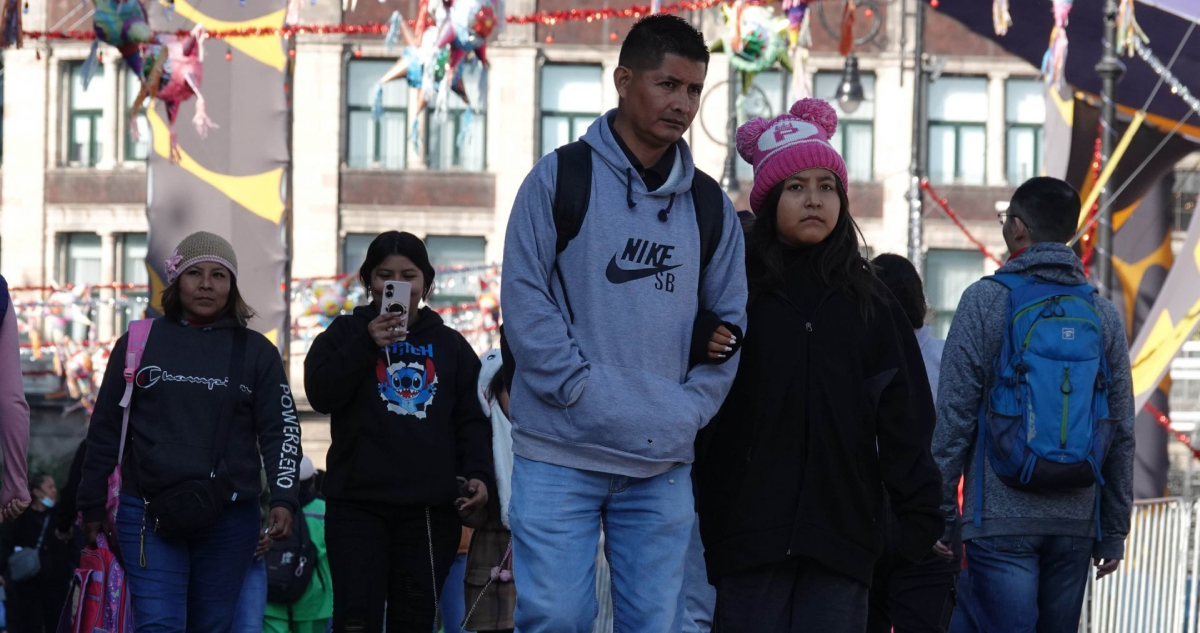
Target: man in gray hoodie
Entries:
(605, 406)
(1029, 552)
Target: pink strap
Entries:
(139, 334)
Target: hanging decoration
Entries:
(944, 205)
(1055, 58)
(1128, 30)
(754, 39)
(174, 73)
(1001, 18)
(798, 22)
(846, 43)
(1165, 422)
(422, 64)
(121, 24)
(10, 23)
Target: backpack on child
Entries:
(98, 599)
(1044, 425)
(290, 564)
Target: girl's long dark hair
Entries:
(837, 260)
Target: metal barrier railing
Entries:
(1150, 592)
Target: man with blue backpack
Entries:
(1035, 408)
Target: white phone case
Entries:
(396, 298)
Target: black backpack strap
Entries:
(709, 201)
(572, 190)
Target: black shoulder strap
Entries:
(4, 300)
(572, 190)
(710, 215)
(237, 361)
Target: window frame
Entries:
(374, 161)
(453, 116)
(572, 117)
(127, 96)
(958, 128)
(1037, 149)
(95, 117)
(846, 122)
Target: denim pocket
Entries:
(1001, 544)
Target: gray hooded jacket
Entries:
(968, 370)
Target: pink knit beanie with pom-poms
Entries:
(790, 143)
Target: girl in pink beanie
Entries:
(830, 408)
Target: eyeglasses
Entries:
(1003, 217)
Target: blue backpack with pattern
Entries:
(1044, 425)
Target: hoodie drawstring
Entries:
(662, 215)
(629, 188)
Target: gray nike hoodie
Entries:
(602, 381)
(968, 369)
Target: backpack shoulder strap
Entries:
(709, 201)
(1012, 281)
(4, 299)
(135, 348)
(572, 190)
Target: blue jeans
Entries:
(190, 585)
(252, 603)
(1024, 584)
(452, 600)
(556, 515)
(701, 597)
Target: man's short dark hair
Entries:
(900, 276)
(1049, 207)
(653, 36)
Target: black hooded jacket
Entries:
(829, 412)
(405, 420)
(180, 392)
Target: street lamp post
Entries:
(1110, 70)
(916, 253)
(729, 180)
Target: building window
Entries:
(958, 110)
(140, 149)
(354, 251)
(767, 98)
(855, 137)
(80, 267)
(1187, 196)
(1024, 114)
(947, 274)
(371, 142)
(570, 101)
(454, 251)
(133, 272)
(85, 116)
(450, 147)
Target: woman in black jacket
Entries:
(406, 424)
(829, 409)
(210, 408)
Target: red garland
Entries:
(546, 18)
(1089, 246)
(945, 207)
(1165, 422)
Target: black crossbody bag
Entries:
(193, 506)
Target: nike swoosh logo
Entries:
(618, 275)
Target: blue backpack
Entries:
(1044, 425)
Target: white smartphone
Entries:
(395, 300)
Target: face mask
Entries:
(49, 503)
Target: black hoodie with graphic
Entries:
(405, 419)
(180, 392)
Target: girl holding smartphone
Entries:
(406, 426)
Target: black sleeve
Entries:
(472, 429)
(277, 426)
(339, 360)
(103, 437)
(904, 426)
(65, 511)
(706, 323)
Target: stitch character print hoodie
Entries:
(405, 420)
(179, 393)
(602, 379)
